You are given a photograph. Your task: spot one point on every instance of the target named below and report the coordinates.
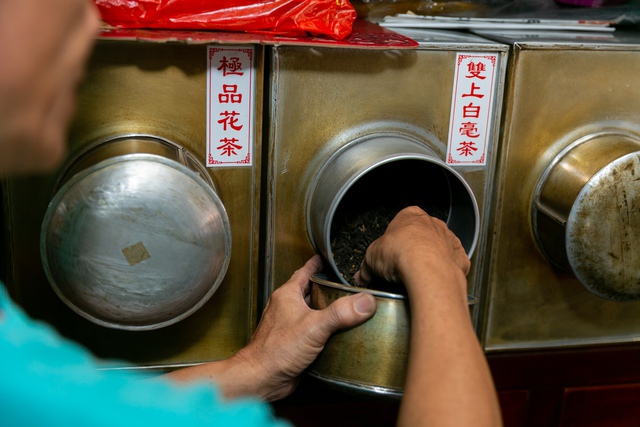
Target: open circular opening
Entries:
(375, 197)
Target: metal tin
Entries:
(136, 242)
(585, 214)
(406, 160)
(326, 102)
(152, 85)
(564, 90)
(371, 358)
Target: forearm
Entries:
(448, 380)
(234, 377)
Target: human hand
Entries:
(446, 369)
(290, 334)
(413, 242)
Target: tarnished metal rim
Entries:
(359, 388)
(128, 158)
(323, 280)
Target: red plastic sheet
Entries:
(333, 18)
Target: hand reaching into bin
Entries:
(448, 380)
(60, 381)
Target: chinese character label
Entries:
(230, 105)
(471, 108)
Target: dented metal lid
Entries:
(136, 242)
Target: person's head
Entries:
(44, 45)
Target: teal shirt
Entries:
(46, 380)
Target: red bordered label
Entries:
(230, 106)
(471, 108)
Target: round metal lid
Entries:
(603, 231)
(136, 242)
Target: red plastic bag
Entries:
(333, 18)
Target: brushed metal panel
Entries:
(322, 99)
(557, 93)
(157, 89)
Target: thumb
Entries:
(347, 312)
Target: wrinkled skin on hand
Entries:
(412, 233)
(291, 334)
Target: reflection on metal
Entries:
(323, 103)
(146, 88)
(115, 202)
(376, 353)
(371, 358)
(590, 190)
(565, 178)
(399, 160)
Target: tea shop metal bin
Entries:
(347, 126)
(153, 91)
(565, 267)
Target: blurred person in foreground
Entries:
(47, 380)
